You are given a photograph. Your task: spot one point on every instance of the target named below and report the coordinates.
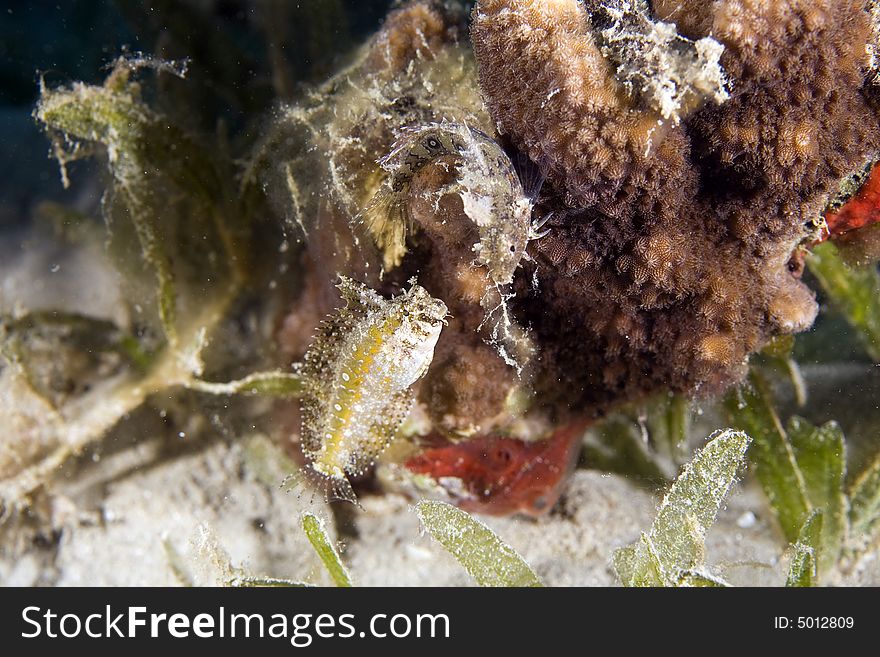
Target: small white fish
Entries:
(358, 376)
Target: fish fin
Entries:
(531, 175)
(320, 361)
(535, 232)
(309, 479)
(387, 221)
(301, 482)
(312, 432)
(340, 489)
(382, 432)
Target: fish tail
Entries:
(310, 479)
(300, 483)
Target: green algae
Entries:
(853, 289)
(316, 532)
(150, 161)
(802, 469)
(487, 558)
(673, 548)
(803, 566)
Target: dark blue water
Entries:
(243, 56)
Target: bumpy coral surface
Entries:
(688, 151)
(671, 253)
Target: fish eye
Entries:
(503, 455)
(433, 143)
(513, 248)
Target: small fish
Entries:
(492, 193)
(358, 375)
(501, 476)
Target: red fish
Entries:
(502, 476)
(859, 211)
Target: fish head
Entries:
(423, 313)
(502, 245)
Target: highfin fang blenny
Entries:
(358, 377)
(493, 195)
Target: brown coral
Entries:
(797, 120)
(693, 19)
(669, 258)
(561, 104)
(416, 31)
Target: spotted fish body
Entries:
(358, 376)
(493, 196)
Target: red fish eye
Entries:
(503, 455)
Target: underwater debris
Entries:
(211, 565)
(673, 73)
(64, 355)
(357, 379)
